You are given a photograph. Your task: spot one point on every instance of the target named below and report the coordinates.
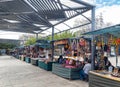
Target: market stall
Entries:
(42, 55)
(107, 59)
(71, 55)
(27, 54)
(20, 51)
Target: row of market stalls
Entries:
(69, 55)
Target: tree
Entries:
(65, 34)
(30, 41)
(7, 46)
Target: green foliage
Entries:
(66, 34)
(31, 41)
(6, 46)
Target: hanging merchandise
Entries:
(111, 40)
(118, 41)
(78, 49)
(75, 53)
(102, 41)
(105, 47)
(112, 51)
(66, 47)
(82, 42)
(74, 45)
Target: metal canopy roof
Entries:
(114, 30)
(10, 41)
(31, 16)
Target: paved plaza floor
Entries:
(16, 73)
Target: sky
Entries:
(110, 10)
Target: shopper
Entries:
(60, 59)
(84, 72)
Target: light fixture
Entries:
(11, 21)
(37, 25)
(5, 0)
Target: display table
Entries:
(46, 66)
(34, 61)
(97, 79)
(27, 59)
(69, 73)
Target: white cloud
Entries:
(90, 1)
(110, 13)
(9, 35)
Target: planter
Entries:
(23, 58)
(27, 59)
(45, 66)
(17, 56)
(34, 61)
(68, 73)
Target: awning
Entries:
(114, 30)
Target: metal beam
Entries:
(71, 17)
(72, 28)
(67, 19)
(66, 25)
(15, 13)
(75, 9)
(86, 17)
(58, 29)
(61, 6)
(66, 6)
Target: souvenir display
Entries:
(75, 51)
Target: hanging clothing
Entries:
(105, 48)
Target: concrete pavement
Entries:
(16, 73)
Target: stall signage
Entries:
(61, 42)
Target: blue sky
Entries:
(108, 2)
(101, 3)
(110, 10)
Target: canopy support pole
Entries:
(36, 36)
(92, 40)
(52, 43)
